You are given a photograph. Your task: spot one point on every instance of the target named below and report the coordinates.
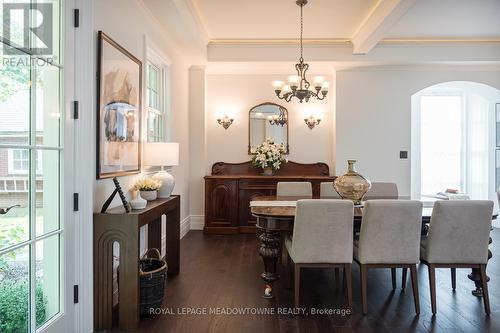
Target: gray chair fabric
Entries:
(382, 190)
(326, 190)
(303, 189)
(322, 232)
(458, 232)
(390, 232)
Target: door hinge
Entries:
(76, 110)
(76, 17)
(75, 294)
(75, 202)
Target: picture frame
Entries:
(119, 110)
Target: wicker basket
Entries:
(153, 278)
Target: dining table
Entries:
(275, 216)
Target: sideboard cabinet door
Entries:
(221, 203)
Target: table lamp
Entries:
(163, 154)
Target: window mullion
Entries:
(32, 196)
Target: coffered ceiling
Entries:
(364, 23)
(279, 19)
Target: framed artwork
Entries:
(497, 120)
(119, 91)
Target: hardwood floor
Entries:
(224, 272)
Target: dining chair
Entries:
(389, 238)
(382, 190)
(322, 237)
(290, 189)
(458, 237)
(326, 190)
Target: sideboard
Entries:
(231, 187)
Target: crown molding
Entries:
(434, 40)
(347, 41)
(280, 41)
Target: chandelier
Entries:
(279, 120)
(298, 86)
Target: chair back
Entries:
(459, 232)
(322, 231)
(390, 232)
(382, 190)
(291, 189)
(326, 190)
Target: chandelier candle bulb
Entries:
(293, 81)
(278, 85)
(319, 81)
(325, 86)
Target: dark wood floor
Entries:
(223, 272)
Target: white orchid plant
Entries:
(147, 184)
(269, 155)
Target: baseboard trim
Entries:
(197, 222)
(185, 226)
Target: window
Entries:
(157, 96)
(453, 140)
(32, 233)
(18, 161)
(154, 103)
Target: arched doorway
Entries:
(454, 139)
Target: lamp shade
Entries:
(161, 154)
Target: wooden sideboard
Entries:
(231, 187)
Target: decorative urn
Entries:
(352, 185)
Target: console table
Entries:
(231, 187)
(124, 228)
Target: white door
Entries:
(35, 279)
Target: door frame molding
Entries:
(84, 143)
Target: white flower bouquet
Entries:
(269, 155)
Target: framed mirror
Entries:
(267, 120)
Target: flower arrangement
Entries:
(147, 184)
(269, 155)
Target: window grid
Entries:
(155, 98)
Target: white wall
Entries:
(130, 24)
(214, 95)
(374, 116)
(236, 94)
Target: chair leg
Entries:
(414, 285)
(363, 273)
(337, 276)
(484, 284)
(348, 280)
(432, 285)
(393, 276)
(454, 278)
(403, 278)
(297, 285)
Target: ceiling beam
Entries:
(383, 16)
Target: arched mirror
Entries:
(267, 120)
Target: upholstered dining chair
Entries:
(326, 190)
(458, 237)
(290, 189)
(382, 190)
(389, 238)
(322, 237)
